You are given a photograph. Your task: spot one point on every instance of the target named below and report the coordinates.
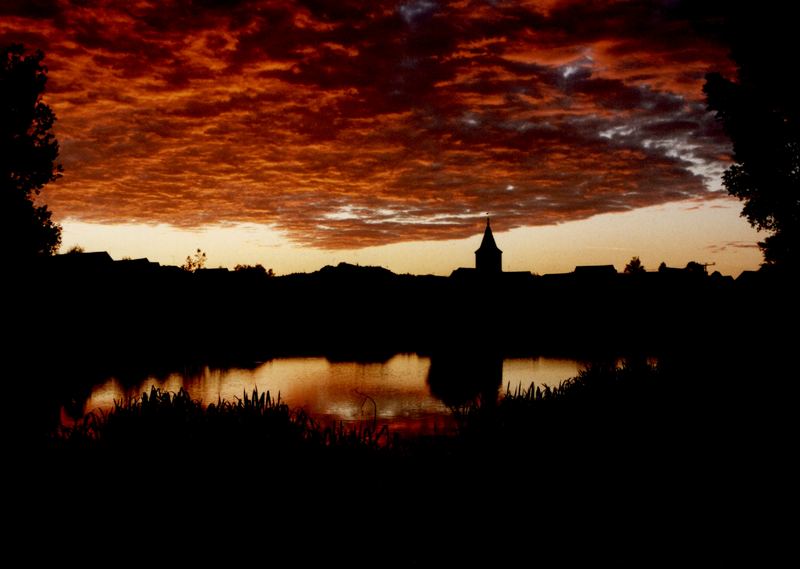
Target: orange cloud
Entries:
(348, 124)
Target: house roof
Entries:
(595, 270)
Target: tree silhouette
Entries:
(634, 266)
(696, 268)
(195, 262)
(28, 151)
(760, 112)
(257, 269)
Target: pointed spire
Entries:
(488, 257)
(488, 238)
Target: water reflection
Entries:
(459, 379)
(410, 392)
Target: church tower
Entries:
(488, 257)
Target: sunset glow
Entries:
(298, 134)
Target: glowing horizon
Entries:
(297, 133)
(673, 233)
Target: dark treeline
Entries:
(133, 319)
(110, 311)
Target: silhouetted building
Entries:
(595, 271)
(489, 266)
(488, 257)
(748, 278)
(81, 262)
(136, 266)
(463, 274)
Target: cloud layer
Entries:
(349, 124)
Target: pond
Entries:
(409, 392)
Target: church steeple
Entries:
(488, 257)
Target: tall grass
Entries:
(603, 401)
(168, 421)
(603, 404)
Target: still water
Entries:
(405, 392)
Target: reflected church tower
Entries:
(488, 257)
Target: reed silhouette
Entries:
(647, 442)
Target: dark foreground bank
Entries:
(628, 426)
(691, 455)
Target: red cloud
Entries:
(349, 124)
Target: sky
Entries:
(302, 133)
